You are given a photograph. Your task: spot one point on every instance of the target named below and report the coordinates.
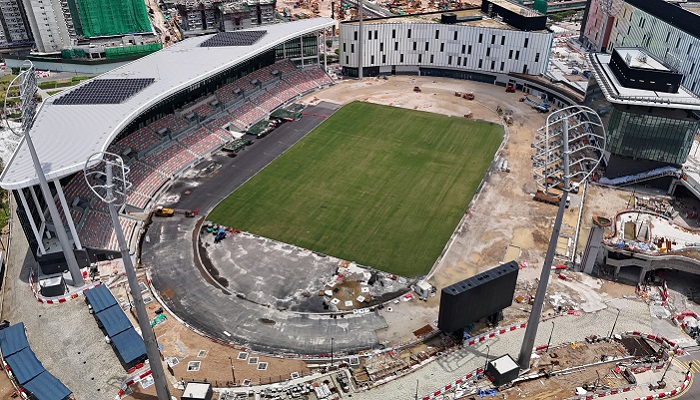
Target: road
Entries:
(691, 356)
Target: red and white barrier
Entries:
(494, 333)
(453, 384)
(130, 381)
(61, 299)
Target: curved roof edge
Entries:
(66, 135)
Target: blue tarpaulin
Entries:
(13, 339)
(24, 365)
(129, 347)
(46, 387)
(100, 298)
(114, 320)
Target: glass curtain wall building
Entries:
(650, 119)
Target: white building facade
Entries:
(406, 47)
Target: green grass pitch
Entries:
(382, 186)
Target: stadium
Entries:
(169, 114)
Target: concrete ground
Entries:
(288, 277)
(65, 337)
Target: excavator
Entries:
(161, 211)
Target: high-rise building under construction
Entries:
(61, 24)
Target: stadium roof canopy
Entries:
(66, 135)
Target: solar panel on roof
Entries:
(104, 91)
(241, 38)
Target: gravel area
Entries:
(65, 338)
(566, 329)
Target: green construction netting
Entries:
(69, 54)
(113, 17)
(282, 113)
(129, 51)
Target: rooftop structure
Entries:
(650, 118)
(626, 90)
(85, 129)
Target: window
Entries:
(692, 68)
(668, 36)
(469, 49)
(503, 40)
(396, 45)
(493, 64)
(381, 46)
(510, 55)
(442, 46)
(369, 36)
(517, 54)
(393, 33)
(502, 65)
(375, 34)
(409, 34)
(437, 34)
(383, 58)
(481, 62)
(488, 51)
(414, 45)
(690, 47)
(426, 46)
(431, 58)
(526, 40)
(459, 61)
(537, 57)
(347, 60)
(525, 69)
(371, 60)
(455, 38)
(420, 58)
(344, 48)
(401, 58)
(449, 60)
(464, 62)
(481, 37)
(355, 35)
(352, 47)
(493, 39)
(464, 48)
(678, 43)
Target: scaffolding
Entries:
(113, 17)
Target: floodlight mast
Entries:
(574, 124)
(106, 193)
(27, 91)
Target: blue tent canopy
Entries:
(13, 339)
(46, 387)
(129, 346)
(100, 298)
(114, 320)
(24, 365)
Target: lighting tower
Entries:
(105, 174)
(567, 150)
(360, 41)
(25, 85)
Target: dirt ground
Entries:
(568, 356)
(218, 363)
(505, 212)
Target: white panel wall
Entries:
(392, 40)
(676, 48)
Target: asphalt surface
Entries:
(169, 249)
(693, 392)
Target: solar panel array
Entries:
(104, 91)
(241, 38)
